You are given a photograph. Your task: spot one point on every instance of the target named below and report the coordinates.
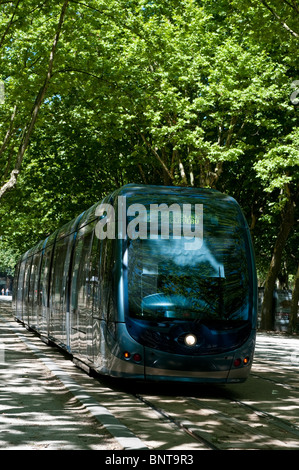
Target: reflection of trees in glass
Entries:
(204, 295)
(210, 283)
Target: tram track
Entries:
(276, 382)
(214, 418)
(185, 425)
(225, 422)
(109, 414)
(279, 422)
(201, 429)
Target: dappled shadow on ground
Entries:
(164, 388)
(228, 417)
(36, 411)
(261, 413)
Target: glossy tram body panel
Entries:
(145, 303)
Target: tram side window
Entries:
(82, 281)
(20, 287)
(37, 262)
(85, 291)
(107, 304)
(32, 277)
(15, 285)
(33, 289)
(95, 257)
(60, 272)
(26, 285)
(44, 279)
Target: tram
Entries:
(152, 283)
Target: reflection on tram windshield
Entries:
(167, 281)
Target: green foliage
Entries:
(280, 165)
(171, 92)
(8, 257)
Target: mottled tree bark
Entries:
(267, 320)
(293, 323)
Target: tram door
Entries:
(33, 290)
(43, 301)
(19, 291)
(84, 328)
(58, 324)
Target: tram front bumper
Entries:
(220, 368)
(164, 366)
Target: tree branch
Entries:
(156, 155)
(9, 132)
(9, 24)
(10, 183)
(38, 102)
(292, 5)
(87, 6)
(279, 19)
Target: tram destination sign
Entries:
(158, 220)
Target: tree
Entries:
(28, 129)
(172, 92)
(293, 323)
(285, 4)
(279, 169)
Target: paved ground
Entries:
(47, 403)
(41, 407)
(6, 298)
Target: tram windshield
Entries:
(205, 278)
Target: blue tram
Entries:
(152, 283)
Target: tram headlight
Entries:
(190, 340)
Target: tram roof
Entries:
(128, 190)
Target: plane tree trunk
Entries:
(287, 222)
(293, 323)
